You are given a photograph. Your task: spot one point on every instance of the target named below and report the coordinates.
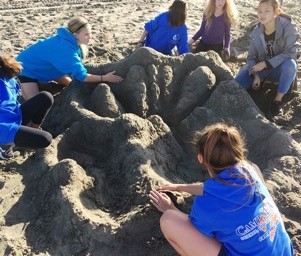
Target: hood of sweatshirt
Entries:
(233, 185)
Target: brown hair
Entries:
(274, 4)
(221, 146)
(9, 66)
(76, 24)
(230, 12)
(177, 13)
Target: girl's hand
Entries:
(191, 41)
(256, 83)
(225, 54)
(111, 77)
(161, 201)
(169, 187)
(258, 67)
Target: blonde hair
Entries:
(76, 24)
(230, 12)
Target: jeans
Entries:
(284, 74)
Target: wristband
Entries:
(100, 78)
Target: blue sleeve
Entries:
(72, 65)
(153, 24)
(183, 44)
(200, 218)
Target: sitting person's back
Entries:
(167, 30)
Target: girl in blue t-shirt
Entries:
(20, 123)
(167, 30)
(233, 212)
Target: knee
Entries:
(45, 140)
(167, 219)
(289, 66)
(47, 98)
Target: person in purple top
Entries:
(219, 16)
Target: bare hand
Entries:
(191, 41)
(111, 77)
(258, 67)
(225, 54)
(256, 83)
(138, 45)
(161, 201)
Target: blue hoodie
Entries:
(244, 219)
(53, 57)
(163, 37)
(10, 110)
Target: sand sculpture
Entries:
(86, 194)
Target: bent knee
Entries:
(45, 140)
(47, 98)
(168, 218)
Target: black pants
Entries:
(202, 47)
(34, 110)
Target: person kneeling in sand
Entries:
(14, 117)
(233, 212)
(58, 58)
(167, 30)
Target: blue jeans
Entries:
(284, 74)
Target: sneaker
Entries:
(277, 109)
(6, 152)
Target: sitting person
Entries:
(167, 30)
(233, 212)
(14, 117)
(272, 53)
(219, 16)
(58, 58)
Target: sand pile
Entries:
(86, 194)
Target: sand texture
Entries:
(87, 193)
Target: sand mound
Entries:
(86, 194)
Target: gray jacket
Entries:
(285, 44)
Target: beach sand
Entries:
(86, 194)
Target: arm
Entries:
(183, 45)
(252, 53)
(200, 31)
(109, 77)
(227, 36)
(290, 49)
(193, 189)
(140, 43)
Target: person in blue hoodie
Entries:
(167, 30)
(20, 124)
(58, 58)
(233, 212)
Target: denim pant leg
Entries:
(243, 79)
(284, 74)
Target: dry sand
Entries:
(86, 194)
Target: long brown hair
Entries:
(221, 146)
(177, 13)
(230, 12)
(9, 66)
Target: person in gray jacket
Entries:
(272, 52)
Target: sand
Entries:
(86, 194)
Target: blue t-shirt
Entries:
(242, 216)
(53, 57)
(163, 37)
(10, 110)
